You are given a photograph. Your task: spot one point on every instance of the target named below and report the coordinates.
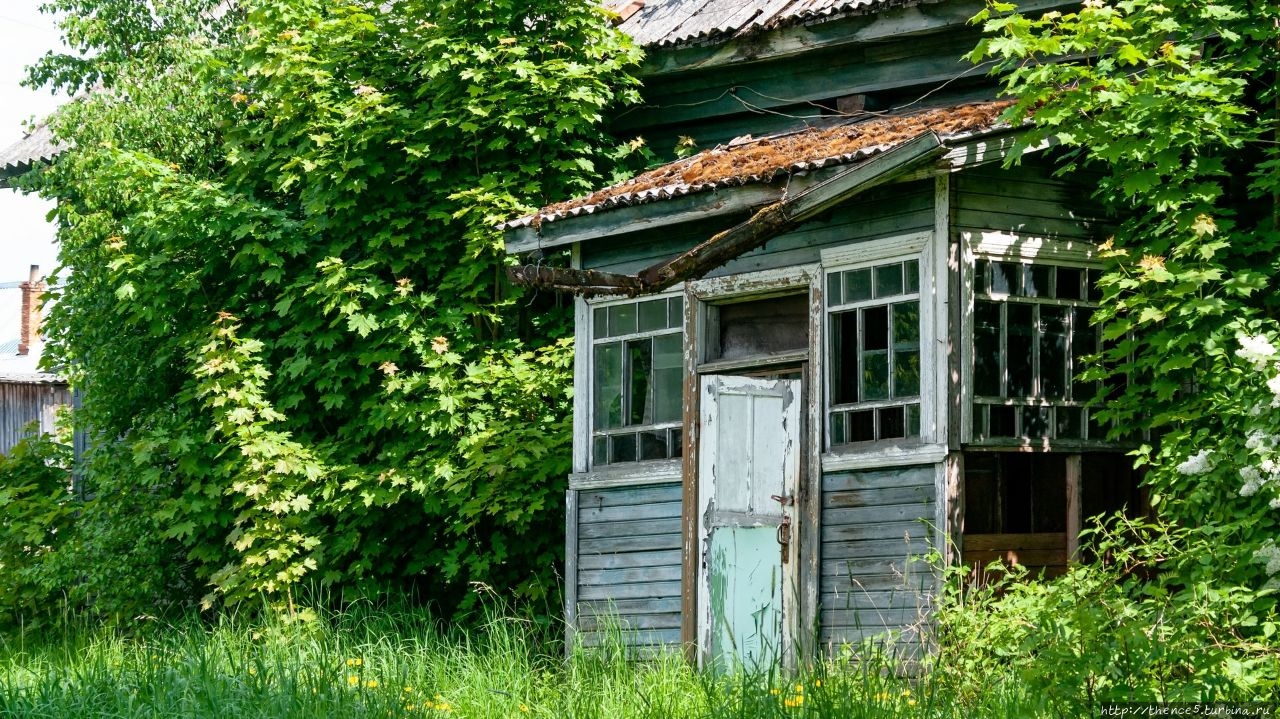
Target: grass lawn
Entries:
(367, 663)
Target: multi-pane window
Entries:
(638, 366)
(1031, 331)
(874, 352)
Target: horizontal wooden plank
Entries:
(878, 514)
(862, 532)
(1023, 224)
(863, 568)
(637, 528)
(628, 560)
(877, 497)
(899, 643)
(631, 638)
(866, 618)
(628, 622)
(837, 577)
(1038, 208)
(878, 600)
(629, 607)
(919, 476)
(654, 510)
(628, 496)
(1025, 557)
(629, 591)
(1038, 540)
(614, 545)
(886, 548)
(609, 577)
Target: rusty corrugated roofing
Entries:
(666, 23)
(760, 160)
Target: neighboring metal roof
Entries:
(665, 23)
(31, 378)
(37, 146)
(748, 160)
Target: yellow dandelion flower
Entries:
(793, 702)
(408, 690)
(906, 692)
(372, 683)
(775, 691)
(253, 671)
(357, 662)
(798, 689)
(410, 707)
(353, 680)
(524, 708)
(911, 702)
(817, 682)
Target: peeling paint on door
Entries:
(748, 466)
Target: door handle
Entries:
(784, 537)
(785, 500)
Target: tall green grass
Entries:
(380, 663)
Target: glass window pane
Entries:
(913, 420)
(980, 421)
(875, 375)
(1019, 335)
(844, 357)
(622, 320)
(653, 315)
(906, 374)
(1069, 283)
(1000, 423)
(986, 349)
(857, 285)
(607, 393)
(889, 280)
(1053, 352)
(1035, 422)
(599, 451)
(834, 295)
(906, 325)
(875, 328)
(675, 312)
(639, 376)
(981, 272)
(838, 434)
(862, 425)
(623, 447)
(1001, 278)
(668, 372)
(653, 445)
(1094, 292)
(892, 423)
(676, 443)
(1084, 341)
(913, 275)
(1035, 280)
(1068, 422)
(599, 323)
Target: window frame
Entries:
(1023, 250)
(587, 342)
(918, 246)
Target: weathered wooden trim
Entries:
(1074, 465)
(881, 456)
(639, 474)
(693, 315)
(1017, 246)
(581, 380)
(570, 570)
(952, 503)
(757, 285)
(986, 148)
(940, 333)
(729, 366)
(622, 220)
(857, 253)
(965, 329)
(810, 489)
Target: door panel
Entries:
(748, 465)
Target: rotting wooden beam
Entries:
(766, 224)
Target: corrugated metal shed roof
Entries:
(37, 146)
(749, 160)
(665, 23)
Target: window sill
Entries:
(656, 471)
(874, 455)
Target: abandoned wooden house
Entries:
(840, 336)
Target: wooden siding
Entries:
(882, 212)
(22, 403)
(872, 522)
(628, 567)
(1025, 199)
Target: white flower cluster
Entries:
(1269, 554)
(1259, 352)
(1197, 464)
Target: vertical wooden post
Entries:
(1074, 465)
(570, 569)
(810, 489)
(690, 555)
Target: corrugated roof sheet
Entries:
(665, 23)
(38, 145)
(746, 160)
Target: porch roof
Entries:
(749, 161)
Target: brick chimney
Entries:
(32, 290)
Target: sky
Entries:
(26, 238)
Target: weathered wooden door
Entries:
(748, 467)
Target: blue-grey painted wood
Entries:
(881, 212)
(874, 529)
(1026, 199)
(629, 567)
(29, 406)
